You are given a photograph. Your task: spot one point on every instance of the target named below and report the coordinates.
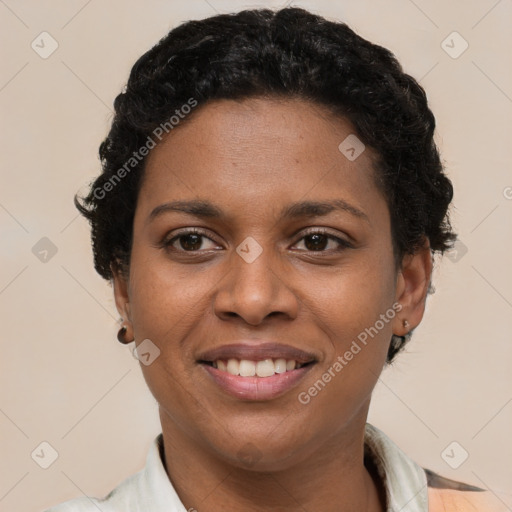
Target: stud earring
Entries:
(406, 324)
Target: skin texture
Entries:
(251, 159)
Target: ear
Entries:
(121, 295)
(412, 286)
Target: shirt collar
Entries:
(405, 482)
(155, 484)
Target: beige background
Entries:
(65, 378)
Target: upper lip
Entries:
(252, 351)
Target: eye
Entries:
(191, 240)
(317, 240)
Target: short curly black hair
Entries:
(288, 53)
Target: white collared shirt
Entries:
(150, 490)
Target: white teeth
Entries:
(265, 368)
(247, 368)
(233, 366)
(280, 365)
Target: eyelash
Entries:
(167, 243)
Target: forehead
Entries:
(260, 151)
(306, 128)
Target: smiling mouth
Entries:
(248, 368)
(258, 371)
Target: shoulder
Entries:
(445, 495)
(126, 494)
(447, 500)
(148, 490)
(76, 505)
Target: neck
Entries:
(332, 478)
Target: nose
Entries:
(256, 290)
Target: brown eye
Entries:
(188, 241)
(319, 241)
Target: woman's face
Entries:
(269, 276)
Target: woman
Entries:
(270, 204)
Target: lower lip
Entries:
(257, 388)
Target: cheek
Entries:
(354, 309)
(353, 297)
(166, 306)
(351, 317)
(165, 299)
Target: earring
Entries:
(121, 335)
(406, 324)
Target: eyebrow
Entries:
(321, 208)
(205, 209)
